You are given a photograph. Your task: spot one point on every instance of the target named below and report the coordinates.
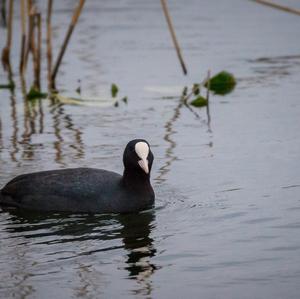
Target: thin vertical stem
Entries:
(172, 31)
(49, 41)
(3, 12)
(38, 49)
(207, 98)
(10, 23)
(23, 38)
(30, 28)
(75, 17)
(6, 49)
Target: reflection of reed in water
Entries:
(34, 123)
(14, 137)
(59, 117)
(30, 116)
(78, 144)
(170, 157)
(169, 126)
(56, 111)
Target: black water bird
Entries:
(87, 189)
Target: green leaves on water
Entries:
(222, 83)
(35, 93)
(114, 93)
(114, 90)
(199, 102)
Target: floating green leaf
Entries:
(35, 93)
(125, 100)
(222, 83)
(199, 102)
(114, 90)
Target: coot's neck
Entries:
(133, 179)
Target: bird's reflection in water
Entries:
(139, 244)
(108, 233)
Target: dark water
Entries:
(227, 217)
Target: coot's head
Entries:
(138, 157)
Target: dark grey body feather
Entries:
(79, 190)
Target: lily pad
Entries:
(199, 102)
(222, 83)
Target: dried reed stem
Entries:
(23, 38)
(278, 6)
(30, 29)
(75, 17)
(208, 86)
(3, 12)
(172, 31)
(38, 50)
(49, 41)
(207, 98)
(6, 49)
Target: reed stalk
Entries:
(75, 17)
(173, 35)
(208, 86)
(23, 38)
(30, 29)
(6, 49)
(32, 46)
(49, 41)
(3, 12)
(278, 6)
(207, 98)
(38, 50)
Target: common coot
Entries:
(87, 189)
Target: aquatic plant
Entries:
(114, 90)
(200, 101)
(222, 83)
(31, 41)
(35, 93)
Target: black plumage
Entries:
(85, 189)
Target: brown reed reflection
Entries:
(33, 122)
(170, 157)
(14, 136)
(63, 121)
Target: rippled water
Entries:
(227, 216)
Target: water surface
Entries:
(227, 216)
